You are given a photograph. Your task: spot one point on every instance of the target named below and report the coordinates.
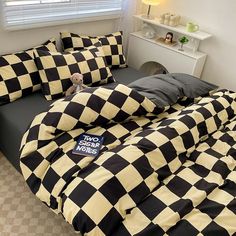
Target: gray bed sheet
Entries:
(127, 75)
(17, 116)
(14, 120)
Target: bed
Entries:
(16, 117)
(162, 170)
(168, 162)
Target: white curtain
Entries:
(126, 24)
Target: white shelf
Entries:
(187, 51)
(200, 35)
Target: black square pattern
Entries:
(82, 193)
(179, 186)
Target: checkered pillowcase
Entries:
(18, 73)
(56, 69)
(111, 44)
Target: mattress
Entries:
(17, 116)
(14, 120)
(127, 75)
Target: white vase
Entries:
(167, 19)
(148, 31)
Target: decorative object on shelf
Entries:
(169, 38)
(150, 3)
(196, 38)
(191, 27)
(174, 20)
(163, 41)
(167, 19)
(162, 18)
(183, 40)
(170, 19)
(148, 31)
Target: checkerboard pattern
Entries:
(56, 69)
(18, 73)
(172, 173)
(111, 44)
(196, 199)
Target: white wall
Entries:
(11, 41)
(218, 18)
(18, 40)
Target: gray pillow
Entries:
(166, 89)
(192, 86)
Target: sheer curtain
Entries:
(126, 24)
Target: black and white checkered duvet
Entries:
(168, 173)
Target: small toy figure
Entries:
(78, 85)
(169, 38)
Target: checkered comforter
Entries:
(169, 173)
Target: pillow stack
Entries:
(18, 73)
(44, 67)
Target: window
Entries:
(21, 14)
(23, 2)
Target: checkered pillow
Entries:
(18, 73)
(56, 69)
(111, 44)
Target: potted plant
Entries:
(183, 40)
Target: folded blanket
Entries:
(143, 150)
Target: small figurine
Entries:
(169, 38)
(78, 85)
